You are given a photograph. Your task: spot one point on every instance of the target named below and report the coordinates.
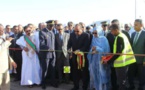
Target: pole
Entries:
(135, 9)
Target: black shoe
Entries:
(75, 88)
(85, 89)
(60, 81)
(140, 88)
(54, 85)
(66, 82)
(30, 86)
(131, 88)
(43, 86)
(15, 80)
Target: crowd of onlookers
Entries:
(53, 54)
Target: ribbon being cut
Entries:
(80, 59)
(106, 58)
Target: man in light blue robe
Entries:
(99, 73)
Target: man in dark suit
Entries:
(88, 28)
(62, 58)
(79, 41)
(70, 30)
(15, 53)
(55, 27)
(88, 32)
(138, 45)
(47, 58)
(70, 27)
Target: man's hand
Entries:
(94, 51)
(93, 48)
(26, 49)
(76, 51)
(51, 50)
(143, 63)
(104, 62)
(69, 50)
(9, 39)
(14, 65)
(70, 57)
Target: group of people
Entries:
(54, 54)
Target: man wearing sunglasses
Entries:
(16, 54)
(79, 42)
(30, 61)
(70, 27)
(129, 29)
(62, 57)
(104, 30)
(55, 27)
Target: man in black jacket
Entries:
(79, 42)
(16, 52)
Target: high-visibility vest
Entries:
(124, 60)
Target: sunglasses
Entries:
(28, 31)
(76, 31)
(104, 25)
(126, 27)
(59, 29)
(51, 25)
(94, 33)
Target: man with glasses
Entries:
(79, 43)
(83, 26)
(70, 30)
(32, 27)
(62, 57)
(21, 29)
(55, 27)
(84, 30)
(129, 29)
(104, 30)
(41, 26)
(16, 54)
(70, 27)
(8, 31)
(30, 66)
(138, 46)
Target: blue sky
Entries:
(35, 11)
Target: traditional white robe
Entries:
(31, 71)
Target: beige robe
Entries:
(5, 64)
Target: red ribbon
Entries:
(80, 61)
(15, 49)
(107, 58)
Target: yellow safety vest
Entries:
(124, 60)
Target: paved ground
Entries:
(16, 86)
